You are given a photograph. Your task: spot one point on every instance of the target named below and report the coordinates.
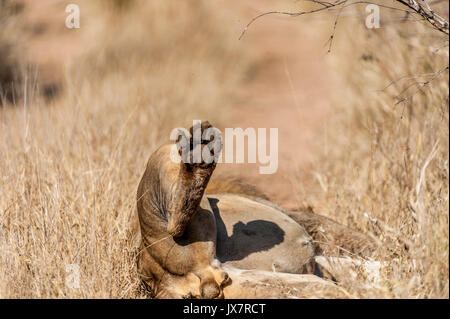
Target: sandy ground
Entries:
(291, 94)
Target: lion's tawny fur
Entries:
(185, 233)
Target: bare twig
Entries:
(413, 7)
(292, 14)
(422, 85)
(426, 12)
(334, 28)
(406, 78)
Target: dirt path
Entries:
(291, 94)
(50, 44)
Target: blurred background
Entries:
(362, 123)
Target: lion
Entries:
(191, 240)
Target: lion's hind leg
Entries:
(332, 238)
(212, 281)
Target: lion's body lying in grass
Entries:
(189, 238)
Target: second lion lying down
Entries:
(189, 238)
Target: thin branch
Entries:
(434, 19)
(334, 28)
(425, 11)
(406, 77)
(422, 85)
(292, 14)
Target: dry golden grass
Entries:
(70, 168)
(382, 167)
